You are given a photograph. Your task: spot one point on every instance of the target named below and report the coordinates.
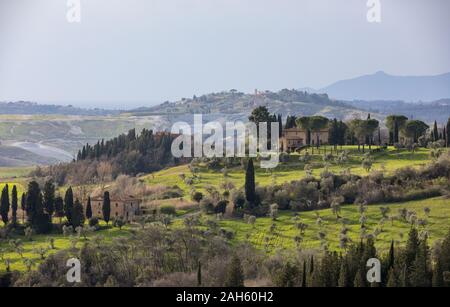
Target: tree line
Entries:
(357, 131)
(39, 206)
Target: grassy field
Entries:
(285, 231)
(42, 241)
(15, 172)
(387, 161)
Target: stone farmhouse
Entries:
(127, 208)
(294, 139)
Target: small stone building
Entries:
(295, 138)
(127, 208)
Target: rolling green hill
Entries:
(260, 235)
(387, 162)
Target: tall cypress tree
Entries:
(435, 132)
(40, 220)
(280, 125)
(448, 133)
(49, 197)
(391, 257)
(412, 246)
(250, 193)
(396, 132)
(14, 205)
(68, 204)
(4, 204)
(420, 275)
(77, 214)
(304, 282)
(89, 208)
(32, 199)
(23, 206)
(59, 208)
(199, 274)
(106, 208)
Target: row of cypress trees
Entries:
(39, 207)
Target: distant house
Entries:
(127, 208)
(295, 138)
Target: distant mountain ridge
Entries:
(32, 108)
(382, 86)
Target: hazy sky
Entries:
(126, 53)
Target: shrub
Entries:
(93, 222)
(197, 196)
(207, 205)
(238, 199)
(175, 193)
(221, 206)
(168, 210)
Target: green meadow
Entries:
(283, 237)
(30, 248)
(387, 161)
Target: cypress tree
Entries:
(77, 214)
(250, 193)
(391, 257)
(235, 274)
(89, 208)
(68, 204)
(32, 200)
(280, 125)
(444, 135)
(435, 132)
(14, 205)
(199, 274)
(40, 221)
(4, 204)
(49, 197)
(448, 133)
(420, 275)
(106, 208)
(412, 246)
(396, 130)
(304, 285)
(23, 205)
(379, 136)
(59, 208)
(311, 266)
